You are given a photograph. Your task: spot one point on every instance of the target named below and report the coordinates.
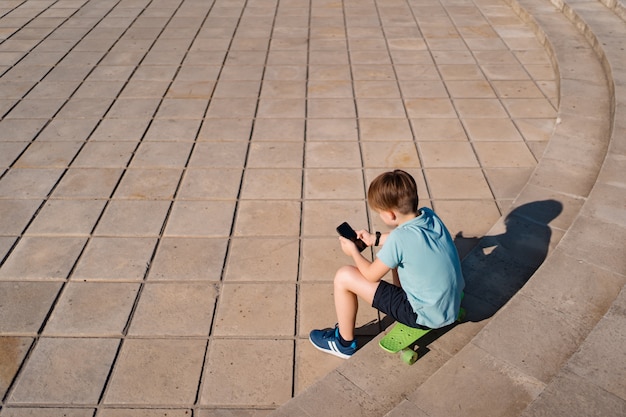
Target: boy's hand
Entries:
(348, 247)
(366, 237)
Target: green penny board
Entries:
(402, 336)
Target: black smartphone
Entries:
(348, 232)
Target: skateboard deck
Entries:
(401, 337)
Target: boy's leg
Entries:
(350, 284)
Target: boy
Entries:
(427, 278)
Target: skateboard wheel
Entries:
(409, 356)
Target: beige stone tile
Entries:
(438, 129)
(200, 219)
(329, 73)
(232, 379)
(260, 259)
(189, 89)
(536, 129)
(232, 108)
(92, 309)
(9, 151)
(193, 259)
(134, 108)
(333, 184)
(256, 309)
(119, 130)
(47, 412)
(329, 89)
(281, 108)
(491, 130)
(142, 412)
(430, 108)
(320, 108)
(15, 215)
(459, 183)
(210, 184)
(477, 108)
(48, 155)
(517, 89)
(379, 129)
(530, 108)
(390, 155)
(25, 305)
(317, 221)
(66, 217)
(423, 89)
(43, 108)
(28, 183)
(376, 89)
(469, 217)
(65, 371)
(447, 154)
(470, 89)
(268, 218)
(279, 130)
(148, 184)
(42, 258)
(506, 183)
(373, 72)
(443, 57)
(161, 155)
(87, 183)
(332, 154)
(270, 184)
(505, 72)
(132, 218)
(172, 130)
(115, 259)
(380, 107)
(504, 154)
(156, 371)
(237, 89)
(105, 155)
(275, 155)
(218, 155)
(322, 257)
(14, 350)
(311, 365)
(461, 72)
(283, 89)
(225, 129)
(174, 309)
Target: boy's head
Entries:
(394, 190)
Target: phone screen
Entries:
(345, 230)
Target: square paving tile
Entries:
(120, 130)
(447, 154)
(256, 309)
(316, 222)
(323, 108)
(173, 130)
(132, 218)
(225, 129)
(332, 155)
(504, 154)
(104, 155)
(200, 219)
(506, 183)
(65, 371)
(390, 154)
(268, 218)
(28, 183)
(311, 366)
(87, 183)
(48, 155)
(377, 129)
(232, 379)
(54, 218)
(463, 183)
(25, 305)
(277, 261)
(322, 257)
(42, 258)
(438, 129)
(92, 309)
(275, 155)
(112, 258)
(491, 130)
(13, 350)
(15, 215)
(218, 155)
(474, 218)
(279, 129)
(333, 184)
(161, 155)
(156, 371)
(174, 309)
(430, 108)
(193, 259)
(148, 184)
(269, 184)
(479, 108)
(205, 184)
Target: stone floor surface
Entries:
(172, 173)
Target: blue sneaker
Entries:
(328, 341)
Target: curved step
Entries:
(499, 365)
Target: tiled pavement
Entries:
(172, 173)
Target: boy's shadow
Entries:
(498, 266)
(495, 267)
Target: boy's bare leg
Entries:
(349, 283)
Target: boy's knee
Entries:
(344, 274)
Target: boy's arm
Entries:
(372, 271)
(370, 238)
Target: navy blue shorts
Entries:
(392, 301)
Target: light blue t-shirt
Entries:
(428, 268)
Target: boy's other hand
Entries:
(348, 247)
